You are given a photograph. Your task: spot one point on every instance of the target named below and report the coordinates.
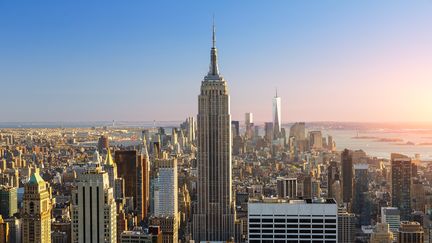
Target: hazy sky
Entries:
(144, 60)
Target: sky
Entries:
(363, 61)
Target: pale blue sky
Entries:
(144, 60)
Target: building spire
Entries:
(214, 69)
(214, 34)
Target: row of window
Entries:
(291, 226)
(283, 220)
(282, 231)
(292, 241)
(292, 236)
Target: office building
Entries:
(139, 235)
(8, 201)
(346, 226)
(332, 176)
(277, 220)
(103, 144)
(391, 216)
(111, 168)
(235, 129)
(93, 209)
(249, 124)
(133, 167)
(277, 123)
(287, 187)
(166, 203)
(382, 234)
(215, 215)
(347, 175)
(401, 185)
(37, 205)
(410, 232)
(4, 231)
(268, 131)
(315, 140)
(14, 225)
(360, 202)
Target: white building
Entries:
(93, 208)
(276, 220)
(166, 203)
(391, 216)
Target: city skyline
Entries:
(94, 62)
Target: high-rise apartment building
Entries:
(277, 123)
(37, 205)
(315, 140)
(401, 185)
(93, 209)
(8, 201)
(215, 215)
(276, 220)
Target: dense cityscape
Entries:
(208, 179)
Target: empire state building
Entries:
(215, 216)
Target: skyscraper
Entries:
(4, 231)
(133, 168)
(93, 208)
(315, 140)
(166, 200)
(347, 175)
(410, 232)
(287, 187)
(268, 131)
(167, 189)
(249, 125)
(8, 201)
(391, 216)
(215, 216)
(332, 176)
(346, 226)
(382, 234)
(401, 185)
(37, 207)
(276, 116)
